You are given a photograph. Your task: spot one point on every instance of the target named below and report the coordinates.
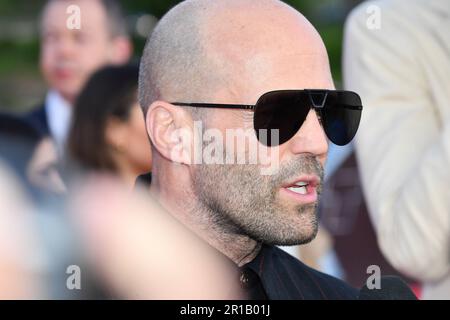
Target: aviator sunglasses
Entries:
(338, 111)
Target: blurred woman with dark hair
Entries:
(108, 130)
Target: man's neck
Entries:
(238, 247)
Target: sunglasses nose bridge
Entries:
(318, 98)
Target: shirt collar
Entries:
(277, 273)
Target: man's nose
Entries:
(310, 138)
(65, 47)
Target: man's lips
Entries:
(303, 189)
(63, 74)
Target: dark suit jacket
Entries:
(38, 118)
(276, 275)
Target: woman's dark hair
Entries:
(110, 92)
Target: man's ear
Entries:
(121, 50)
(170, 130)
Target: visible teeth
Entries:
(300, 190)
(301, 183)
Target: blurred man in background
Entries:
(70, 53)
(400, 64)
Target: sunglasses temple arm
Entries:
(215, 105)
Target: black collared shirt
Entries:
(276, 275)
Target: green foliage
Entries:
(19, 56)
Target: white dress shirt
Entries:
(59, 117)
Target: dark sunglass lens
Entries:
(341, 116)
(282, 110)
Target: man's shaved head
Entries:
(202, 46)
(174, 63)
(232, 52)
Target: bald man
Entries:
(208, 62)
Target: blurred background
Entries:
(19, 41)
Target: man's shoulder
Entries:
(38, 118)
(312, 283)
